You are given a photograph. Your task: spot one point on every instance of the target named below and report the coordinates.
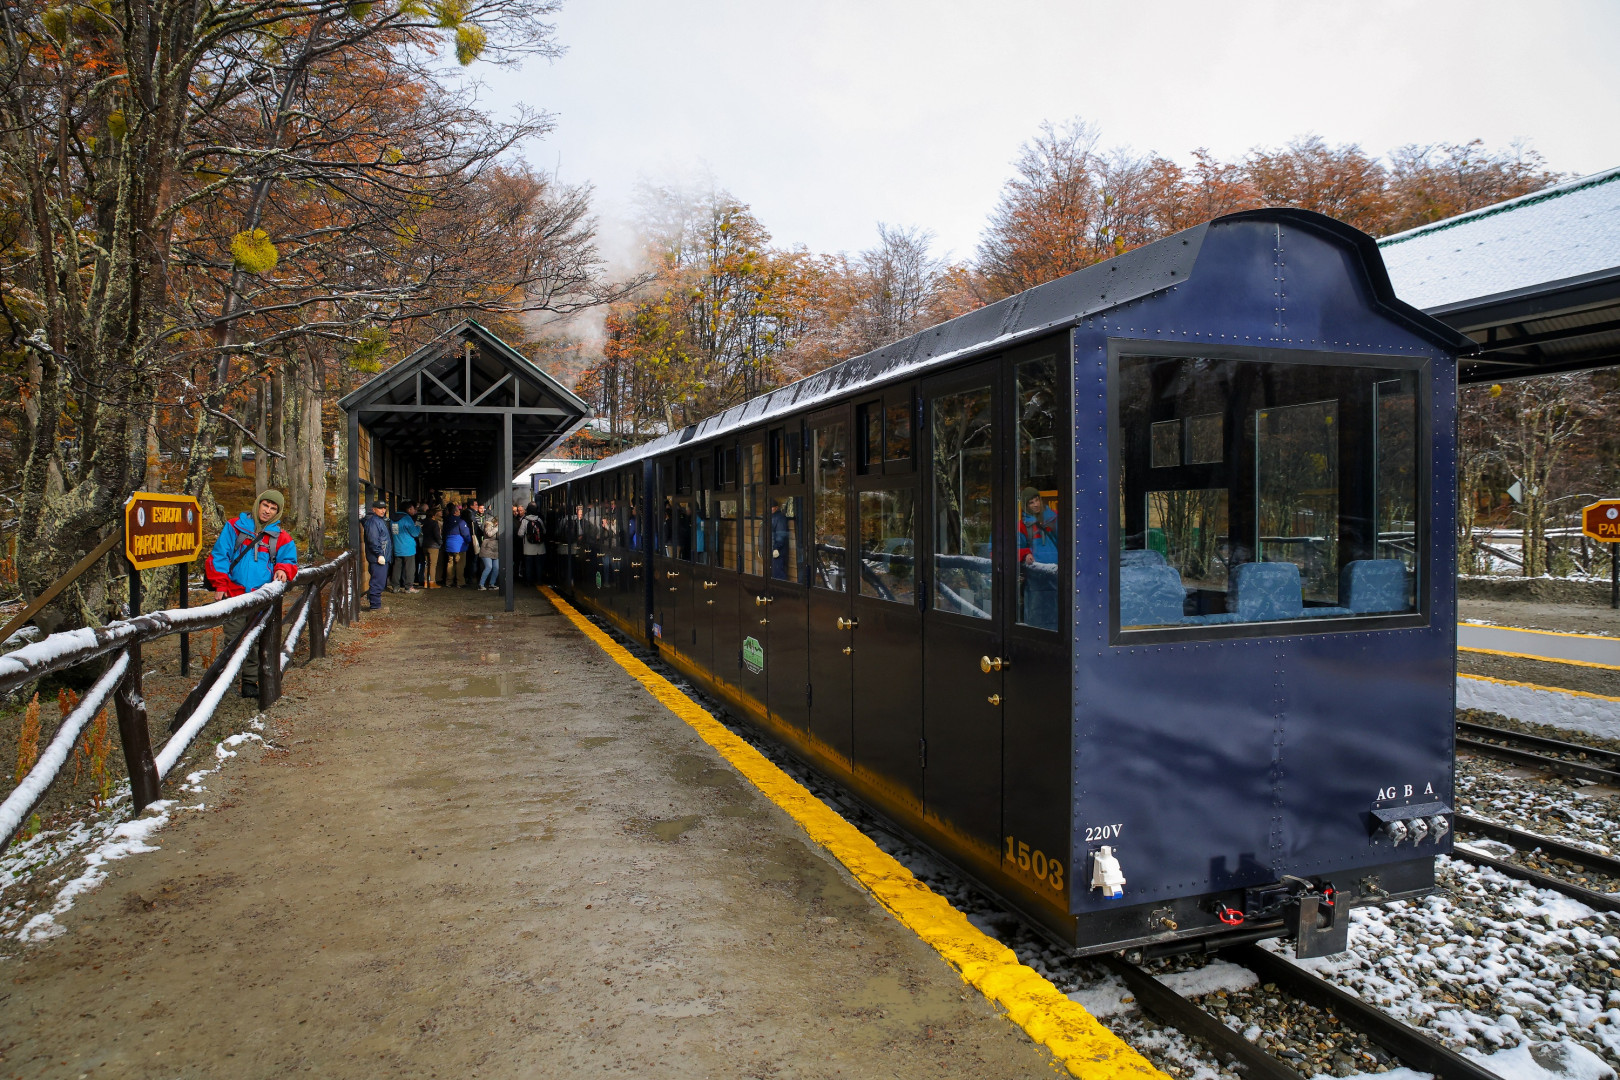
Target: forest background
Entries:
(216, 221)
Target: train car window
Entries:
(829, 448)
(869, 429)
(726, 539)
(787, 456)
(897, 431)
(1204, 439)
(683, 530)
(1040, 492)
(1265, 491)
(752, 467)
(702, 509)
(887, 563)
(786, 522)
(1167, 444)
(725, 467)
(632, 511)
(1396, 439)
(961, 428)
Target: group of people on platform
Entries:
(434, 547)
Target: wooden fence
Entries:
(327, 593)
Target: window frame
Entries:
(1421, 366)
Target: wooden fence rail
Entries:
(329, 592)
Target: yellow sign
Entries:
(160, 530)
(1601, 521)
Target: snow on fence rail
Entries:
(330, 591)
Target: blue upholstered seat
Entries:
(1149, 595)
(1142, 557)
(1373, 585)
(1264, 591)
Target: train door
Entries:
(829, 614)
(962, 694)
(635, 540)
(727, 590)
(753, 618)
(1035, 648)
(887, 677)
(704, 582)
(671, 600)
(788, 661)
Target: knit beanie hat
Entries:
(270, 495)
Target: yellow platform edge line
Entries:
(1535, 686)
(1543, 659)
(1549, 633)
(1073, 1035)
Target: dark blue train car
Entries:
(1130, 595)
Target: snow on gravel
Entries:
(57, 866)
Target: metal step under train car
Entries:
(1130, 595)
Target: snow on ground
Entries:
(1567, 709)
(63, 864)
(1583, 815)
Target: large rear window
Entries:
(1273, 490)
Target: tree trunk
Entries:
(261, 432)
(278, 428)
(233, 460)
(297, 463)
(313, 453)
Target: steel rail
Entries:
(1598, 901)
(1557, 766)
(1187, 1018)
(1590, 860)
(1413, 1047)
(1610, 758)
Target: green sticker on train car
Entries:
(753, 654)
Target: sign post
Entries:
(1601, 521)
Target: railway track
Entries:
(1412, 1047)
(1523, 841)
(1551, 755)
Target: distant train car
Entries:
(1130, 595)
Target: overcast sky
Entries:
(828, 116)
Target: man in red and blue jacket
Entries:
(251, 552)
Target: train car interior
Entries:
(1266, 490)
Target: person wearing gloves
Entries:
(406, 532)
(379, 545)
(251, 552)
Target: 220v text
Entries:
(1103, 832)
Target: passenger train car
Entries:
(1131, 595)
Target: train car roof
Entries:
(1032, 313)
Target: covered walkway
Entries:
(464, 414)
(482, 849)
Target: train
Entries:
(1130, 596)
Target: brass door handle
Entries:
(994, 699)
(764, 622)
(709, 602)
(987, 664)
(760, 601)
(710, 584)
(673, 589)
(848, 650)
(848, 624)
(672, 573)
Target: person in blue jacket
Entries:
(406, 533)
(251, 552)
(378, 539)
(1037, 561)
(457, 541)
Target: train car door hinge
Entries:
(922, 753)
(807, 689)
